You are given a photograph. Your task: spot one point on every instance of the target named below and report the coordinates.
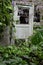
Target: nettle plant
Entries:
(5, 16)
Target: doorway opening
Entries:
(23, 14)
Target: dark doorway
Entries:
(24, 15)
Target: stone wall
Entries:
(39, 4)
(5, 40)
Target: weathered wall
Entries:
(39, 4)
(24, 31)
(5, 39)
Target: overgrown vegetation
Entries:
(5, 16)
(22, 53)
(26, 53)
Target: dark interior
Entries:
(24, 15)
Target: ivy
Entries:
(5, 16)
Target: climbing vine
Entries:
(5, 16)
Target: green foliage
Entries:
(27, 53)
(35, 27)
(13, 55)
(24, 53)
(5, 10)
(5, 7)
(36, 38)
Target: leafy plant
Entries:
(5, 10)
(24, 53)
(36, 38)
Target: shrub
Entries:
(37, 38)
